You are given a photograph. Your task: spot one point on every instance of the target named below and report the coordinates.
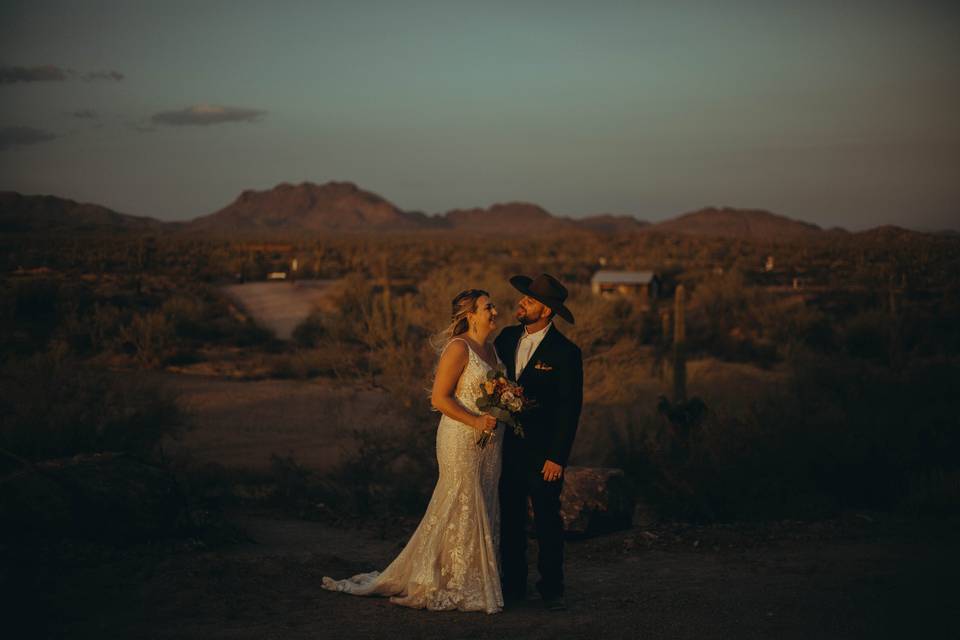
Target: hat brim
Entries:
(522, 284)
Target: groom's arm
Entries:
(566, 415)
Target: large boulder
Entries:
(105, 497)
(595, 500)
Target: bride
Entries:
(451, 560)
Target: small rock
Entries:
(595, 500)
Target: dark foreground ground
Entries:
(859, 576)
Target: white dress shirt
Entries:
(527, 345)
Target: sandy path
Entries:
(280, 306)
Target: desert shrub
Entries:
(844, 433)
(868, 335)
(37, 306)
(388, 474)
(31, 312)
(54, 406)
(616, 375)
(391, 468)
(201, 315)
(296, 488)
(796, 324)
(186, 314)
(303, 364)
(95, 331)
(352, 298)
(603, 321)
(389, 336)
(723, 319)
(146, 317)
(147, 337)
(311, 331)
(387, 471)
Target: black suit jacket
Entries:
(553, 379)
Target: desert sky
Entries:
(838, 113)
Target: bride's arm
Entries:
(452, 362)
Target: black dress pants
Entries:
(516, 485)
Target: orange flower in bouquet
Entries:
(502, 399)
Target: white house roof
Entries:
(624, 277)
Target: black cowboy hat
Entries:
(544, 289)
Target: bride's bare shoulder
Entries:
(453, 361)
(455, 350)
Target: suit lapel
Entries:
(512, 343)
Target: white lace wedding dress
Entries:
(452, 559)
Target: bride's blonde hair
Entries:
(463, 303)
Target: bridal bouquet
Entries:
(502, 399)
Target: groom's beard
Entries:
(524, 319)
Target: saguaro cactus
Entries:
(679, 347)
(387, 299)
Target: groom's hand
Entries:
(551, 471)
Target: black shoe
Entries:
(513, 599)
(555, 603)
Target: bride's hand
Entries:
(485, 422)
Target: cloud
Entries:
(53, 73)
(84, 114)
(18, 136)
(90, 76)
(206, 114)
(42, 73)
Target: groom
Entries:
(550, 369)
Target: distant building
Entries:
(34, 271)
(268, 247)
(642, 284)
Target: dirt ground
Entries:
(860, 576)
(239, 424)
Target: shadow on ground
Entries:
(860, 576)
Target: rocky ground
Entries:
(858, 576)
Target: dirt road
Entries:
(859, 577)
(280, 306)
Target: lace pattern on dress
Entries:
(451, 561)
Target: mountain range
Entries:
(343, 207)
(41, 214)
